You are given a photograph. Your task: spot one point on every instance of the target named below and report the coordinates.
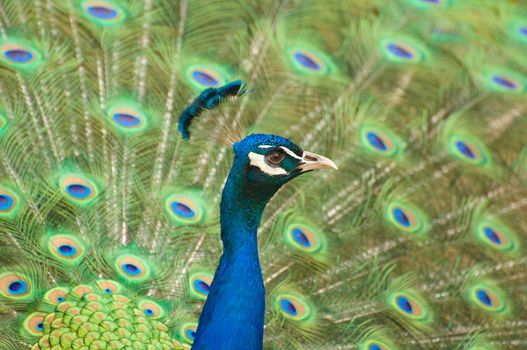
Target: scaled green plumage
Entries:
(109, 222)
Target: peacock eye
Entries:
(275, 156)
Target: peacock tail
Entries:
(109, 220)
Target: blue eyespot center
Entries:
(108, 291)
(432, 1)
(6, 202)
(102, 12)
(401, 217)
(504, 82)
(204, 78)
(374, 347)
(18, 55)
(376, 141)
(399, 51)
(183, 210)
(492, 235)
(300, 237)
(131, 269)
(126, 120)
(288, 307)
(484, 297)
(465, 149)
(523, 31)
(67, 250)
(201, 286)
(149, 312)
(404, 304)
(40, 326)
(17, 287)
(79, 191)
(60, 299)
(306, 61)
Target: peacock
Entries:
(162, 184)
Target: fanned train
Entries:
(110, 218)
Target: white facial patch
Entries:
(258, 160)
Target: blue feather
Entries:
(208, 99)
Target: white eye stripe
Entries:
(291, 153)
(258, 160)
(287, 150)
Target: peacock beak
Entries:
(312, 161)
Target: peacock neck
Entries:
(233, 315)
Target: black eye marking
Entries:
(275, 156)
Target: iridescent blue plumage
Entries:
(233, 315)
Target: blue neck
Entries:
(233, 315)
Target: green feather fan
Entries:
(109, 222)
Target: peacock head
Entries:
(270, 161)
(262, 163)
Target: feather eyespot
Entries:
(34, 324)
(496, 235)
(78, 189)
(126, 120)
(506, 83)
(200, 285)
(406, 218)
(184, 209)
(376, 141)
(151, 309)
(308, 60)
(103, 12)
(466, 150)
(292, 307)
(402, 50)
(469, 150)
(406, 53)
(188, 332)
(8, 202)
(487, 298)
(374, 345)
(56, 295)
(303, 238)
(109, 287)
(127, 117)
(15, 286)
(409, 306)
(19, 55)
(504, 80)
(132, 268)
(66, 248)
(379, 141)
(203, 76)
